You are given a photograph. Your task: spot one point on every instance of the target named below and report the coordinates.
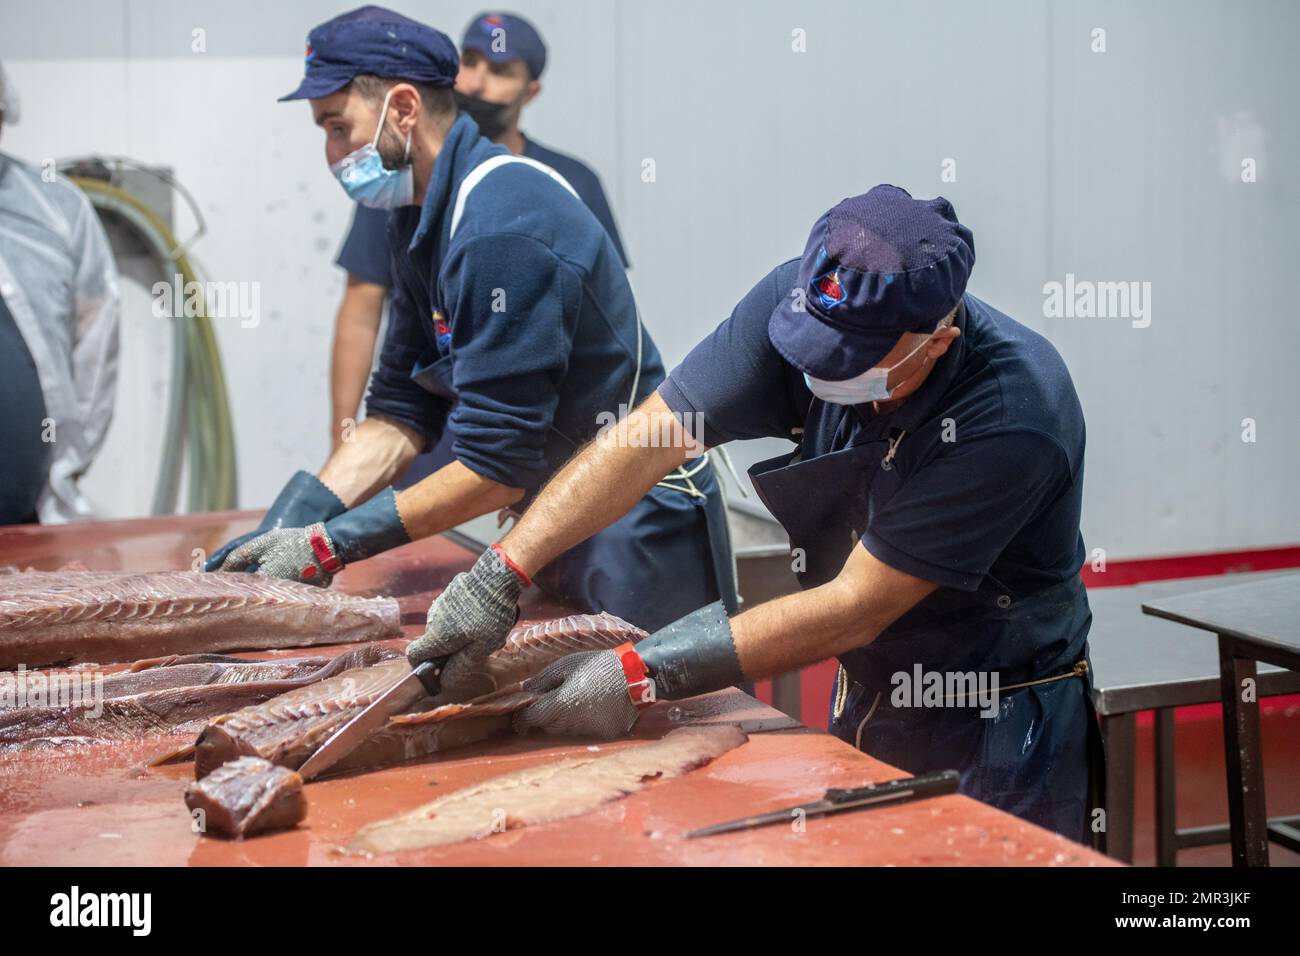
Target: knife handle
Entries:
(430, 675)
(927, 785)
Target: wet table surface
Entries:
(99, 804)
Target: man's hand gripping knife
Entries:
(601, 693)
(469, 620)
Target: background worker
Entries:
(502, 60)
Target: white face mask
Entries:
(364, 178)
(871, 386)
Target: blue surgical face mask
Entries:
(364, 178)
(871, 386)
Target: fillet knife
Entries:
(837, 800)
(424, 679)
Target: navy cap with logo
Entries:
(875, 266)
(377, 42)
(502, 37)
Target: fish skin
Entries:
(546, 793)
(290, 728)
(246, 797)
(49, 617)
(136, 710)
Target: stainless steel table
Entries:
(1255, 621)
(1144, 663)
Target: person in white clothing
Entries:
(59, 315)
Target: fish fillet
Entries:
(546, 793)
(49, 617)
(246, 797)
(167, 699)
(288, 729)
(164, 673)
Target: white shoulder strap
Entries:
(476, 175)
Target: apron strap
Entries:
(679, 479)
(475, 176)
(1080, 669)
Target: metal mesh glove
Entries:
(286, 553)
(468, 621)
(303, 501)
(585, 695)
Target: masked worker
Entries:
(59, 314)
(511, 318)
(501, 64)
(932, 502)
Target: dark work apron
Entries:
(26, 456)
(1040, 756)
(668, 556)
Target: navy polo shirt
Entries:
(522, 327)
(989, 472)
(365, 250)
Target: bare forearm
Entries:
(349, 373)
(380, 451)
(356, 327)
(449, 496)
(847, 612)
(600, 485)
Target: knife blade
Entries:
(424, 680)
(838, 800)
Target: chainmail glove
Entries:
(287, 553)
(469, 620)
(584, 695)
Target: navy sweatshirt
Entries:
(522, 328)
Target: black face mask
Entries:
(492, 118)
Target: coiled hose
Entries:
(198, 406)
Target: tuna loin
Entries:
(287, 729)
(245, 797)
(47, 617)
(548, 792)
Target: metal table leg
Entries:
(1241, 742)
(1166, 790)
(1119, 731)
(787, 694)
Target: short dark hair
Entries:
(439, 103)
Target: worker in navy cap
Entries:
(512, 321)
(932, 499)
(501, 62)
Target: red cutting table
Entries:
(98, 804)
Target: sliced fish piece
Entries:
(288, 729)
(49, 617)
(246, 797)
(131, 705)
(546, 793)
(158, 674)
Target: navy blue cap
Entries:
(502, 37)
(875, 266)
(376, 42)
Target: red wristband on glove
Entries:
(325, 555)
(639, 685)
(528, 582)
